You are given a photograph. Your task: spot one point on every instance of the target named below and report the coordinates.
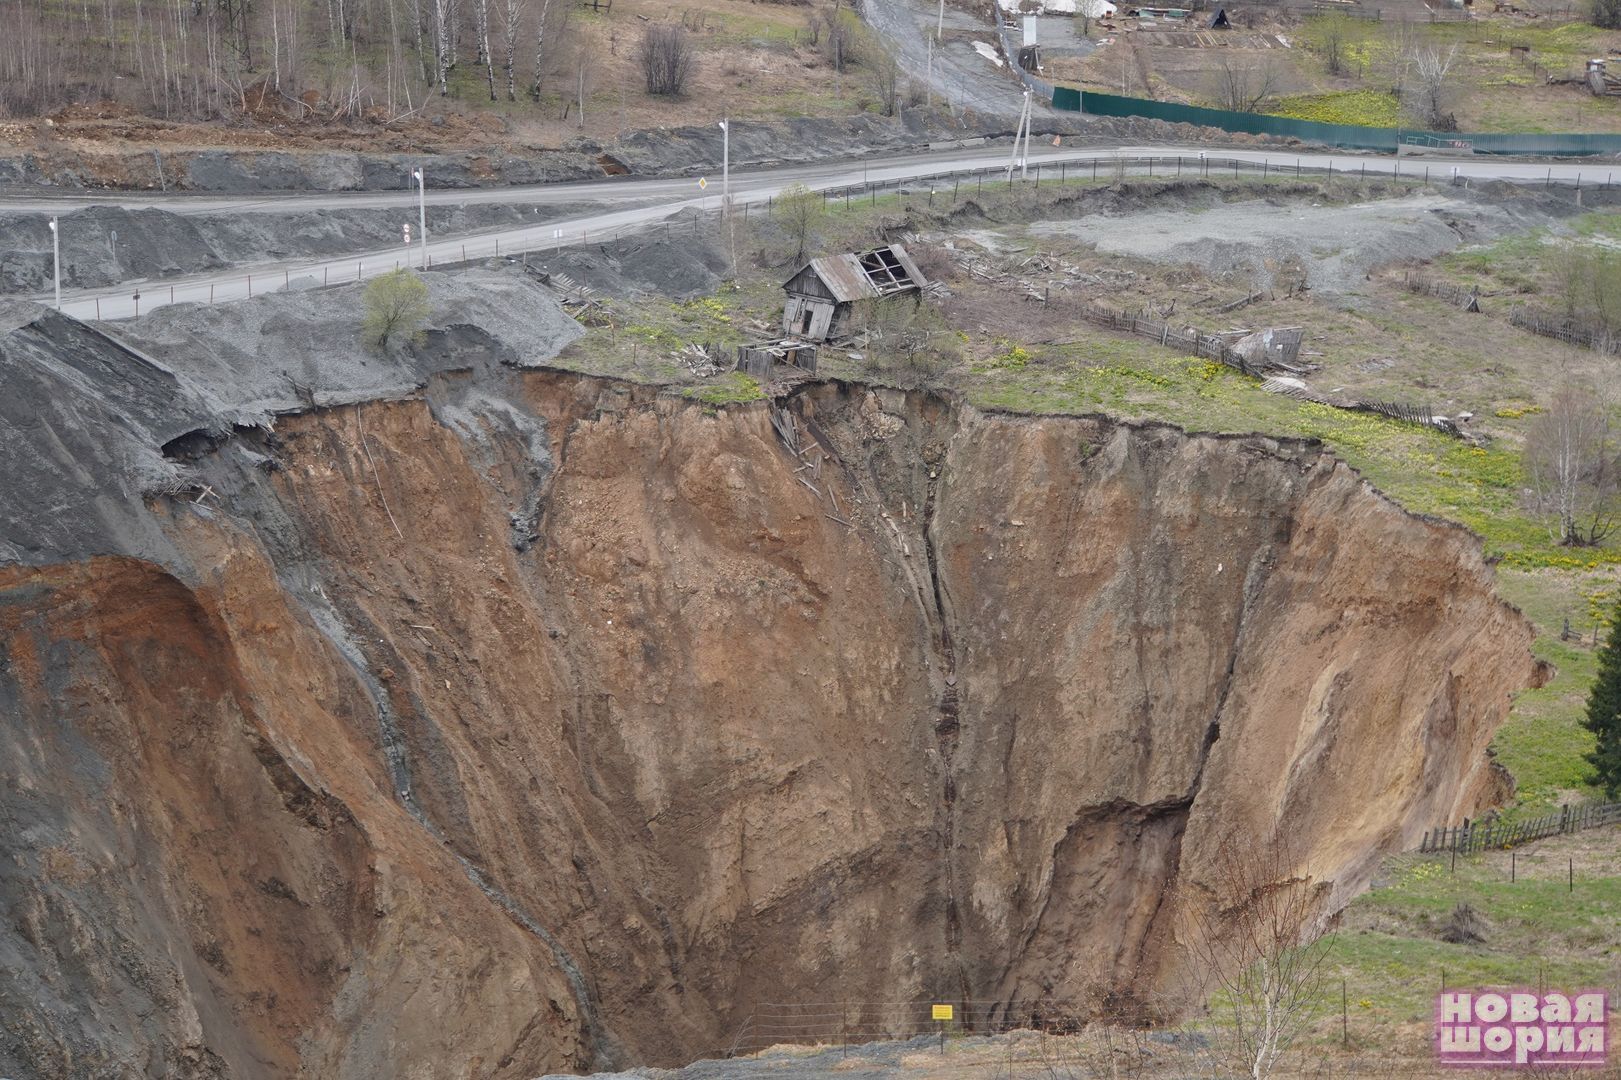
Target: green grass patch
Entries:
(1363, 108)
(1537, 928)
(734, 388)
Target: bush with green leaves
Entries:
(396, 309)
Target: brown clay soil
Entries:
(538, 721)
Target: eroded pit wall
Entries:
(553, 723)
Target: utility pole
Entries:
(726, 166)
(56, 262)
(422, 212)
(1024, 158)
(940, 21)
(928, 81)
(1022, 131)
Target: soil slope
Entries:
(532, 722)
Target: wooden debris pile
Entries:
(811, 449)
(702, 361)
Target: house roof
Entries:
(867, 275)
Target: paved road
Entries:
(631, 205)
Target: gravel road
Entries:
(961, 76)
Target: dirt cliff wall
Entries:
(540, 722)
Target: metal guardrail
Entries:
(929, 185)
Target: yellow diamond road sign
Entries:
(703, 182)
(942, 1012)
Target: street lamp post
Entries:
(726, 166)
(422, 212)
(56, 262)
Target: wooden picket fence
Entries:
(1425, 285)
(1209, 346)
(1570, 331)
(1474, 836)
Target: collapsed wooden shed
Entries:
(823, 295)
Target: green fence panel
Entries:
(1348, 136)
(1066, 98)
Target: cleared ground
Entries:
(1499, 82)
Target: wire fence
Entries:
(947, 188)
(1474, 836)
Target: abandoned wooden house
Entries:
(824, 294)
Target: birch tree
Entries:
(540, 48)
(512, 11)
(1253, 939)
(481, 18)
(441, 44)
(1571, 467)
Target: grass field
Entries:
(1554, 925)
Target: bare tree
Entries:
(1569, 268)
(797, 211)
(907, 340)
(666, 56)
(1571, 467)
(1253, 938)
(1332, 35)
(1244, 87)
(1430, 95)
(884, 76)
(838, 38)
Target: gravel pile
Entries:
(87, 412)
(105, 245)
(1336, 246)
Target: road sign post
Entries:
(56, 262)
(942, 1014)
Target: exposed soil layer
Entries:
(535, 722)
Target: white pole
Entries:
(1018, 129)
(1024, 159)
(928, 81)
(940, 21)
(422, 212)
(56, 262)
(726, 166)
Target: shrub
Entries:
(666, 56)
(396, 307)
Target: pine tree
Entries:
(1604, 713)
